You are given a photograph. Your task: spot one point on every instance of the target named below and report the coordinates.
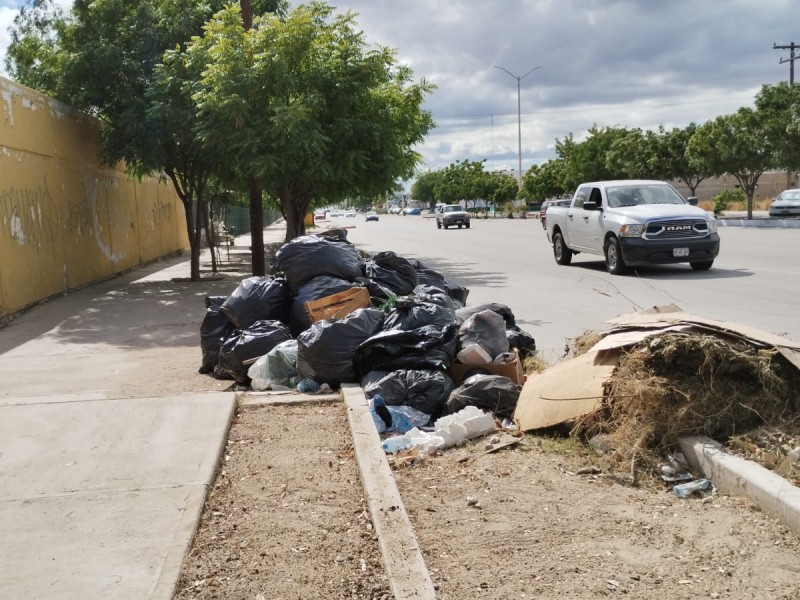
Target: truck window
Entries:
(580, 197)
(596, 196)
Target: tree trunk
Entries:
(198, 232)
(258, 260)
(247, 14)
(295, 212)
(211, 236)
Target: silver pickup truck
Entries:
(633, 222)
(451, 214)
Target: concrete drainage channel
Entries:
(405, 567)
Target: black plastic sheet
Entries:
(414, 312)
(424, 348)
(425, 390)
(325, 350)
(213, 330)
(522, 341)
(258, 299)
(494, 393)
(253, 342)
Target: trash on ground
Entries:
(684, 490)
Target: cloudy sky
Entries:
(630, 63)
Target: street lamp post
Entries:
(519, 119)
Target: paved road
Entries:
(755, 280)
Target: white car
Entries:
(787, 204)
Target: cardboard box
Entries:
(338, 305)
(512, 370)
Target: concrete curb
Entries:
(402, 557)
(737, 476)
(763, 223)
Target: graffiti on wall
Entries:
(23, 220)
(96, 188)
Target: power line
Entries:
(791, 47)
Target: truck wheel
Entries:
(466, 224)
(704, 265)
(562, 254)
(446, 225)
(614, 262)
(459, 225)
(438, 225)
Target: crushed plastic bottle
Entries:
(396, 443)
(684, 490)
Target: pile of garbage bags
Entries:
(401, 349)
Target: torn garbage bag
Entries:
(462, 314)
(213, 330)
(310, 256)
(494, 393)
(258, 299)
(521, 340)
(253, 342)
(393, 272)
(487, 329)
(325, 350)
(425, 390)
(424, 348)
(317, 288)
(276, 369)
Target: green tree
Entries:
(672, 160)
(735, 144)
(35, 56)
(587, 160)
(779, 106)
(424, 187)
(106, 61)
(545, 180)
(304, 106)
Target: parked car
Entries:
(787, 204)
(351, 214)
(395, 210)
(546, 203)
(371, 216)
(412, 211)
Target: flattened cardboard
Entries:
(512, 370)
(566, 391)
(670, 313)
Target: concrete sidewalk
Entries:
(104, 457)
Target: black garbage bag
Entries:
(253, 342)
(325, 350)
(462, 314)
(487, 329)
(393, 272)
(310, 256)
(370, 379)
(428, 276)
(494, 393)
(435, 294)
(413, 312)
(214, 328)
(258, 299)
(378, 293)
(425, 390)
(317, 288)
(521, 340)
(424, 348)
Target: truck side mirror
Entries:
(692, 200)
(590, 205)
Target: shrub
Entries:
(727, 197)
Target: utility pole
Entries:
(791, 47)
(519, 78)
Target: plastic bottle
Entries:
(396, 443)
(684, 490)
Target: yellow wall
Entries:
(65, 220)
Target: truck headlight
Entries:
(712, 226)
(631, 230)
